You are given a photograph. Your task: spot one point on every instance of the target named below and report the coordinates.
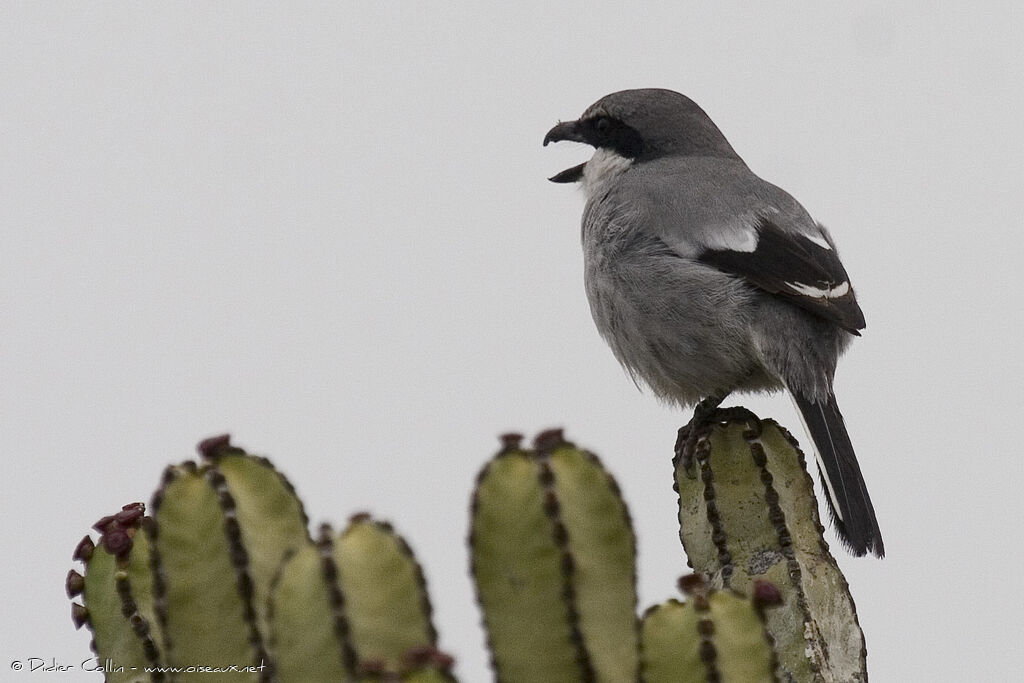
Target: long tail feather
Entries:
(845, 490)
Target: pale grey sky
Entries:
(326, 229)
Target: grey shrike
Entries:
(705, 279)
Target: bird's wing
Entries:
(800, 265)
(717, 212)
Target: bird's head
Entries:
(639, 125)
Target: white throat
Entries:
(602, 169)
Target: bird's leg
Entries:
(699, 425)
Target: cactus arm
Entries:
(385, 593)
(519, 570)
(747, 511)
(553, 561)
(352, 607)
(671, 651)
(205, 609)
(270, 517)
(603, 548)
(117, 590)
(716, 635)
(742, 649)
(305, 640)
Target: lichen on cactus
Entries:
(552, 554)
(224, 575)
(747, 512)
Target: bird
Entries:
(706, 280)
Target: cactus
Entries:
(225, 573)
(119, 589)
(553, 560)
(359, 594)
(747, 512)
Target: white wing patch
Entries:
(819, 240)
(842, 289)
(732, 238)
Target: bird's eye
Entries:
(603, 125)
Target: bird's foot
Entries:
(698, 427)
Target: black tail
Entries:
(847, 495)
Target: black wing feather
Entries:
(782, 259)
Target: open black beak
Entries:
(567, 130)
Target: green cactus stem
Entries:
(713, 636)
(204, 593)
(118, 591)
(305, 638)
(355, 606)
(747, 512)
(270, 517)
(553, 555)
